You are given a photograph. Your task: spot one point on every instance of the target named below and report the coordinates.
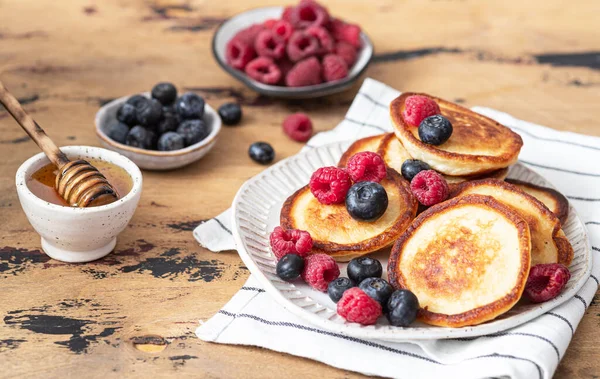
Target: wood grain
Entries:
(134, 312)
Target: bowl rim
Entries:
(212, 136)
(133, 170)
(321, 89)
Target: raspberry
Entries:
(298, 127)
(326, 43)
(429, 187)
(301, 45)
(309, 13)
(319, 271)
(290, 241)
(287, 14)
(330, 185)
(342, 31)
(283, 30)
(238, 53)
(248, 35)
(268, 24)
(366, 167)
(268, 44)
(285, 65)
(264, 70)
(347, 52)
(546, 281)
(334, 68)
(417, 108)
(357, 306)
(304, 73)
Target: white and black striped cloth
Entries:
(531, 351)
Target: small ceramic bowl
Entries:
(72, 234)
(153, 159)
(229, 28)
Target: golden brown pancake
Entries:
(363, 144)
(554, 200)
(548, 243)
(336, 233)
(466, 259)
(478, 144)
(394, 154)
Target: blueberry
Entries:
(127, 114)
(362, 268)
(435, 130)
(166, 93)
(261, 152)
(190, 106)
(377, 289)
(152, 140)
(289, 267)
(117, 132)
(136, 99)
(148, 112)
(170, 141)
(168, 122)
(231, 113)
(403, 307)
(336, 289)
(412, 167)
(366, 201)
(193, 131)
(139, 137)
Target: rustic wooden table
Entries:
(134, 312)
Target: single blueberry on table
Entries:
(261, 152)
(230, 113)
(170, 141)
(164, 92)
(366, 201)
(190, 106)
(117, 131)
(435, 130)
(127, 114)
(193, 131)
(289, 267)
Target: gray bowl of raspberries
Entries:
(159, 130)
(299, 51)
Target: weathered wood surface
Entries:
(538, 60)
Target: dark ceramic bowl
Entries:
(229, 28)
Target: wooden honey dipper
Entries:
(78, 182)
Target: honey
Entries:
(41, 183)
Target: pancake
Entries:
(363, 144)
(394, 154)
(552, 199)
(336, 233)
(467, 260)
(478, 144)
(548, 242)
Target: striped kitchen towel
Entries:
(532, 350)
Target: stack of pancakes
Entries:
(468, 258)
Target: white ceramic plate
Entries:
(154, 159)
(256, 209)
(229, 28)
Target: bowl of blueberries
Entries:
(160, 130)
